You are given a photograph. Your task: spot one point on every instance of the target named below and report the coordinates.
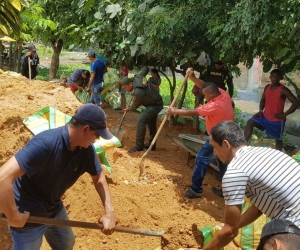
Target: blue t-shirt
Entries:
(154, 81)
(98, 67)
(50, 169)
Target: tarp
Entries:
(49, 118)
(248, 237)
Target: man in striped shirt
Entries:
(268, 177)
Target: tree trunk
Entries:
(57, 47)
(19, 55)
(11, 57)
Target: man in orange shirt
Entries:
(218, 108)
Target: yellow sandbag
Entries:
(249, 236)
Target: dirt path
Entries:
(154, 202)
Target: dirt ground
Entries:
(155, 201)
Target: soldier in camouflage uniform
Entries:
(146, 95)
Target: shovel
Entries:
(117, 131)
(142, 167)
(90, 225)
(29, 68)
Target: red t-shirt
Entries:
(123, 71)
(217, 110)
(273, 103)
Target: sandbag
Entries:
(248, 237)
(49, 118)
(83, 96)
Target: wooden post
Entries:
(10, 59)
(19, 55)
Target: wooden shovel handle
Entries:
(29, 68)
(166, 116)
(82, 224)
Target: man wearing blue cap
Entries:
(35, 178)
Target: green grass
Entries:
(165, 93)
(63, 69)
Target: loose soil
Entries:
(155, 201)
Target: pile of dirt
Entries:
(155, 201)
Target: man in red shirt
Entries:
(218, 108)
(271, 116)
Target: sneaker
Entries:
(135, 149)
(218, 192)
(192, 195)
(148, 145)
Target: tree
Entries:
(262, 28)
(67, 30)
(10, 21)
(137, 34)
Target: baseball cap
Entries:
(31, 47)
(277, 226)
(92, 115)
(125, 80)
(91, 53)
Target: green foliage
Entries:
(164, 89)
(33, 21)
(239, 118)
(10, 19)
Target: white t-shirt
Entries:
(269, 178)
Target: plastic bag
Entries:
(204, 59)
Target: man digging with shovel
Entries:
(218, 108)
(35, 178)
(148, 96)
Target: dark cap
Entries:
(219, 62)
(94, 116)
(91, 53)
(125, 80)
(31, 47)
(277, 226)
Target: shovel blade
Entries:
(118, 132)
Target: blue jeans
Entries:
(95, 95)
(59, 238)
(203, 159)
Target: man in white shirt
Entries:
(268, 177)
